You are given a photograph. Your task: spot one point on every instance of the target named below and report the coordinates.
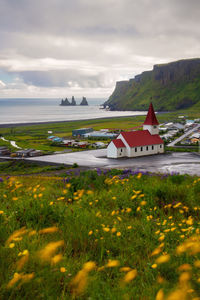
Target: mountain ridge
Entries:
(171, 86)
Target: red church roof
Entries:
(141, 138)
(151, 117)
(118, 143)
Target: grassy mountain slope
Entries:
(169, 86)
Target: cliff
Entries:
(171, 86)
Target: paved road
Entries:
(183, 136)
(183, 163)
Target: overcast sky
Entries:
(60, 48)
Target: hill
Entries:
(170, 87)
(100, 235)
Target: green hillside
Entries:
(100, 235)
(170, 87)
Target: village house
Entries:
(138, 143)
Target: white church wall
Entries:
(147, 150)
(114, 152)
(153, 129)
(128, 149)
(111, 151)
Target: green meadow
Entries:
(100, 235)
(35, 136)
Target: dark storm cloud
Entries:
(91, 44)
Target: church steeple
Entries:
(151, 122)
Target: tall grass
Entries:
(100, 235)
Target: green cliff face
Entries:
(171, 86)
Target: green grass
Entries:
(20, 167)
(120, 217)
(35, 136)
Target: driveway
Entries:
(183, 163)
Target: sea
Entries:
(36, 110)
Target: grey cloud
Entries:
(122, 37)
(63, 78)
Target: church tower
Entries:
(151, 122)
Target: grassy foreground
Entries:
(95, 235)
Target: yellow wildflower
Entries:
(62, 270)
(130, 276)
(156, 251)
(1, 212)
(154, 266)
(184, 277)
(106, 229)
(48, 230)
(185, 267)
(161, 238)
(14, 280)
(119, 233)
(160, 295)
(90, 232)
(112, 263)
(113, 230)
(56, 259)
(143, 203)
(32, 232)
(89, 266)
(163, 259)
(197, 263)
(49, 250)
(22, 261)
(11, 245)
(14, 198)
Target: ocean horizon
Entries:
(36, 110)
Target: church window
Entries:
(141, 148)
(152, 147)
(147, 148)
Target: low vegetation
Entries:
(35, 136)
(100, 235)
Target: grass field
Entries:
(35, 136)
(95, 235)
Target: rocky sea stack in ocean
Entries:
(67, 103)
(84, 101)
(73, 102)
(171, 86)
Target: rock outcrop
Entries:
(67, 103)
(171, 86)
(84, 101)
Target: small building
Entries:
(24, 153)
(57, 140)
(4, 150)
(140, 142)
(81, 131)
(35, 153)
(101, 135)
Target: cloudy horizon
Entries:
(60, 48)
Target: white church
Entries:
(138, 143)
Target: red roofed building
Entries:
(138, 143)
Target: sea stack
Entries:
(84, 101)
(65, 102)
(73, 101)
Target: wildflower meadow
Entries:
(100, 235)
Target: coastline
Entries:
(10, 125)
